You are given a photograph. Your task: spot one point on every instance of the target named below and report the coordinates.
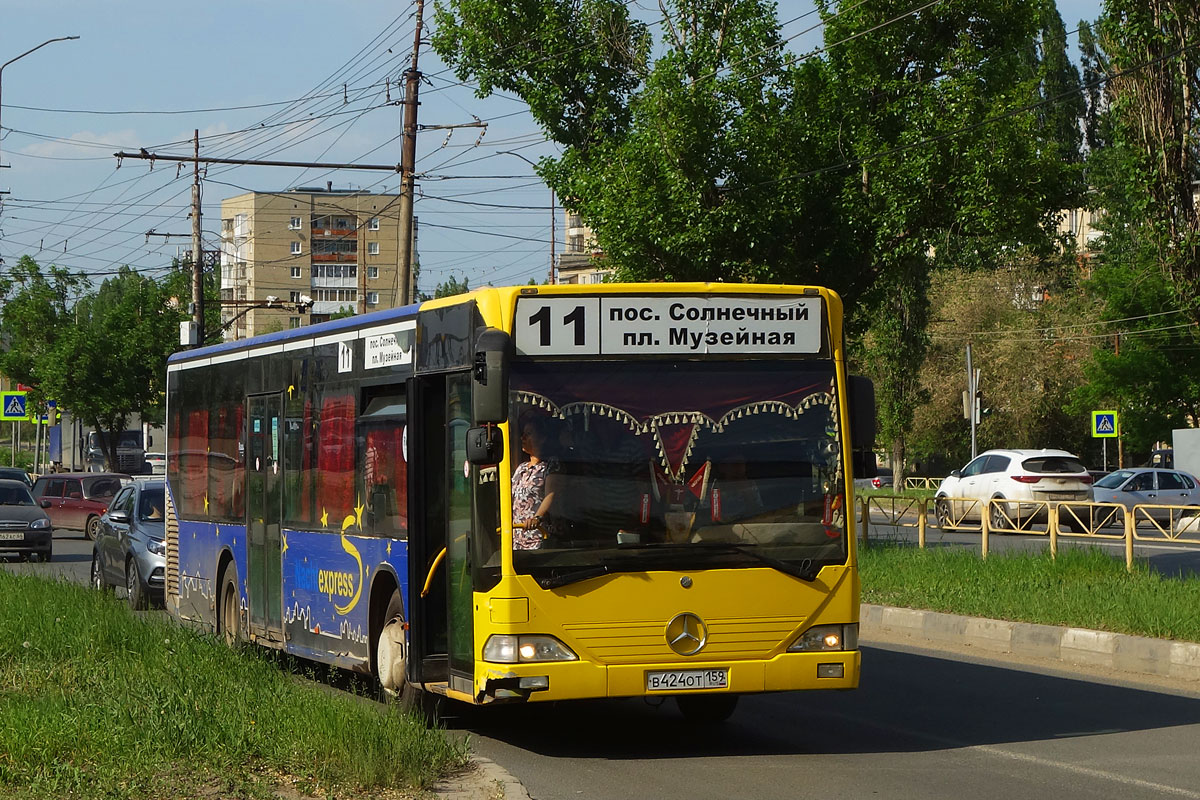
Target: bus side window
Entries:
(383, 465)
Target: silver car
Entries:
(1149, 486)
(130, 550)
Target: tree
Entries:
(913, 133)
(112, 362)
(451, 287)
(37, 312)
(102, 354)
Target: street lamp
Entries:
(18, 58)
(553, 277)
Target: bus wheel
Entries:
(391, 651)
(706, 708)
(227, 623)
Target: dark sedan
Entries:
(25, 530)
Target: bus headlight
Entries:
(505, 648)
(825, 638)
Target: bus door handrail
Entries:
(432, 569)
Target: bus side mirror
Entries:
(862, 426)
(485, 446)
(489, 400)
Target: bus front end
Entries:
(673, 501)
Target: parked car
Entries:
(1145, 486)
(1034, 476)
(16, 474)
(25, 530)
(130, 548)
(156, 464)
(75, 500)
(882, 480)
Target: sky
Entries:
(265, 79)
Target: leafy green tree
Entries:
(112, 362)
(725, 159)
(451, 287)
(1142, 123)
(37, 313)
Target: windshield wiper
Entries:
(555, 581)
(807, 570)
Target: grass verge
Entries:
(98, 702)
(1084, 588)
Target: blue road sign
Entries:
(1104, 424)
(13, 406)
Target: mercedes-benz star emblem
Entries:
(687, 634)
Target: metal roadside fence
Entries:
(932, 484)
(1074, 520)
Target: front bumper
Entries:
(575, 680)
(40, 542)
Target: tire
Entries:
(707, 709)
(92, 529)
(941, 510)
(138, 600)
(229, 608)
(997, 519)
(97, 578)
(391, 660)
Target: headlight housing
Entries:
(826, 638)
(506, 648)
(39, 524)
(157, 546)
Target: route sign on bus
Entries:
(13, 406)
(1104, 424)
(623, 325)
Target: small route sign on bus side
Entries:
(1104, 424)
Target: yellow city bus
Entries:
(345, 492)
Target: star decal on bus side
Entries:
(324, 518)
(206, 502)
(285, 544)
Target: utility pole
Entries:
(971, 399)
(408, 159)
(197, 248)
(553, 277)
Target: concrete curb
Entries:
(1160, 658)
(487, 780)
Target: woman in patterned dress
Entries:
(531, 501)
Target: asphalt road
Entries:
(922, 725)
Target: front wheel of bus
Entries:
(391, 655)
(708, 708)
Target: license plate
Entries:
(11, 536)
(674, 680)
(1062, 495)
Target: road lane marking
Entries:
(1013, 755)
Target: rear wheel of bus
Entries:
(227, 622)
(706, 708)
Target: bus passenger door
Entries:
(441, 634)
(263, 516)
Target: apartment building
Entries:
(581, 260)
(335, 248)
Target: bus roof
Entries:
(305, 332)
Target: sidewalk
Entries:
(1137, 655)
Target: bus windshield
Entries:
(675, 465)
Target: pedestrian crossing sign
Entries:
(13, 406)
(1104, 424)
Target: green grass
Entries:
(98, 702)
(888, 491)
(1084, 588)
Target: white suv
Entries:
(1042, 476)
